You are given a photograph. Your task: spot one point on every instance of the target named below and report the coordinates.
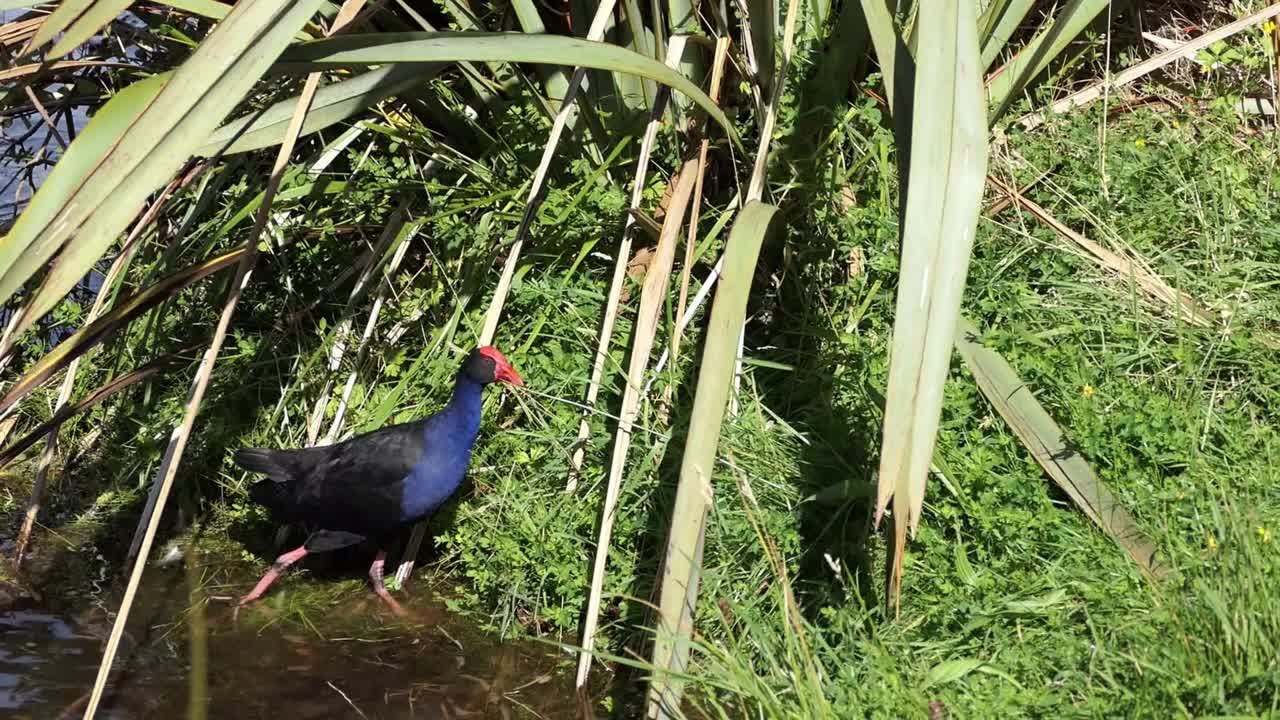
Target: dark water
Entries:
(28, 148)
(348, 658)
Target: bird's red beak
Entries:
(508, 374)
(502, 370)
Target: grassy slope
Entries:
(1181, 422)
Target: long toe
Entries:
(396, 607)
(281, 564)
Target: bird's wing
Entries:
(363, 474)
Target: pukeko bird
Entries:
(374, 485)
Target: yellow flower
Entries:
(1140, 142)
(1087, 391)
(1264, 535)
(1269, 27)
(1210, 542)
(398, 119)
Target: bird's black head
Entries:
(486, 365)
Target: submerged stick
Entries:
(178, 440)
(198, 642)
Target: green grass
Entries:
(1013, 603)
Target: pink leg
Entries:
(375, 574)
(279, 566)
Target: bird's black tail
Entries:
(264, 461)
(274, 493)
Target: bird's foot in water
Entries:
(278, 567)
(396, 607)
(379, 587)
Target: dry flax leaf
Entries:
(1184, 306)
(20, 31)
(1005, 200)
(32, 68)
(652, 297)
(675, 50)
(847, 199)
(636, 269)
(857, 261)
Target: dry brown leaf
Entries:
(1151, 284)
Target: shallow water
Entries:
(339, 659)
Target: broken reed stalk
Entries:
(44, 114)
(340, 333)
(15, 317)
(700, 297)
(404, 238)
(20, 71)
(534, 200)
(69, 381)
(1003, 202)
(652, 296)
(18, 32)
(178, 440)
(675, 50)
(596, 32)
(168, 470)
(1146, 67)
(691, 241)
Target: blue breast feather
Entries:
(450, 435)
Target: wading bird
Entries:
(373, 486)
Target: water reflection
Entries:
(353, 661)
(35, 649)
